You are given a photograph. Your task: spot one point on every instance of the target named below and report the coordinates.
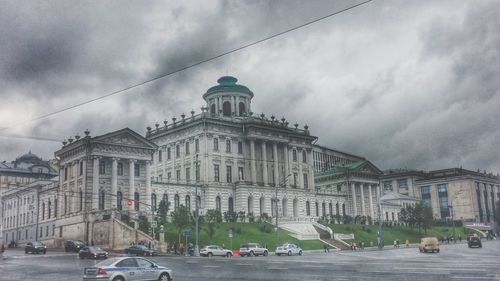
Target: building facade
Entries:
(24, 170)
(102, 178)
(253, 164)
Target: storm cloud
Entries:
(403, 84)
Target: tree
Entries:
(242, 216)
(163, 209)
(181, 218)
(230, 216)
(213, 216)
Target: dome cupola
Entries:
(228, 98)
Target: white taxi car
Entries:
(288, 249)
(126, 269)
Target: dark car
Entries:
(140, 250)
(35, 247)
(74, 245)
(93, 252)
(474, 241)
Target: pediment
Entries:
(125, 137)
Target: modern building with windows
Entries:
(453, 193)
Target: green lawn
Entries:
(368, 233)
(244, 233)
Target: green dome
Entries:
(227, 84)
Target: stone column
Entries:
(311, 170)
(84, 184)
(148, 183)
(301, 175)
(253, 168)
(164, 162)
(353, 193)
(131, 180)
(287, 168)
(488, 200)
(114, 185)
(74, 199)
(237, 101)
(371, 200)
(264, 164)
(483, 205)
(95, 184)
(362, 193)
(276, 165)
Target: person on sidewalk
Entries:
(407, 243)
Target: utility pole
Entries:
(379, 226)
(276, 205)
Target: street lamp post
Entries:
(197, 215)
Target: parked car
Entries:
(74, 245)
(474, 241)
(140, 250)
(127, 268)
(288, 249)
(92, 252)
(429, 244)
(35, 247)
(214, 250)
(253, 249)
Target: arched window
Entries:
(262, 205)
(188, 202)
(198, 201)
(308, 208)
(284, 203)
(81, 201)
(241, 108)
(153, 201)
(304, 156)
(250, 204)
(343, 209)
(176, 201)
(273, 207)
(295, 208)
(226, 108)
(323, 209)
(217, 203)
(317, 208)
(337, 209)
(136, 201)
(119, 198)
(101, 200)
(212, 109)
(165, 198)
(50, 209)
(65, 203)
(43, 211)
(230, 204)
(330, 207)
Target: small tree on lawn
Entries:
(163, 209)
(242, 216)
(213, 216)
(181, 218)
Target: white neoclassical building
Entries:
(244, 162)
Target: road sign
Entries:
(186, 232)
(130, 202)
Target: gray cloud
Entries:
(402, 84)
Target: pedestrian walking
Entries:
(395, 244)
(407, 243)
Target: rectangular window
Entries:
(177, 151)
(228, 146)
(306, 183)
(387, 185)
(295, 178)
(169, 153)
(160, 156)
(169, 176)
(197, 145)
(294, 155)
(102, 167)
(304, 156)
(137, 170)
(188, 174)
(403, 183)
(120, 169)
(216, 144)
(81, 168)
(229, 174)
(178, 175)
(240, 174)
(240, 147)
(197, 172)
(216, 173)
(425, 193)
(66, 173)
(443, 200)
(187, 148)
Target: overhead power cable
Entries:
(198, 63)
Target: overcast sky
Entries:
(404, 84)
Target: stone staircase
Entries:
(301, 230)
(327, 237)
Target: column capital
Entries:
(132, 160)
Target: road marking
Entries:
(244, 264)
(277, 268)
(211, 266)
(474, 277)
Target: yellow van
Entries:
(429, 244)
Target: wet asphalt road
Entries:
(455, 262)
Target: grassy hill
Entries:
(367, 233)
(262, 233)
